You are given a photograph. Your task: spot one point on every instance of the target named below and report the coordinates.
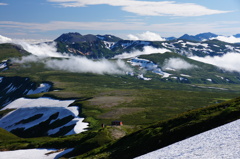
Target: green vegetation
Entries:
(9, 51)
(198, 74)
(5, 112)
(174, 107)
(109, 142)
(169, 131)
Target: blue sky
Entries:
(48, 19)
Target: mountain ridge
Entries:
(99, 48)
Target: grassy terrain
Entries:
(8, 51)
(199, 73)
(169, 131)
(134, 101)
(138, 103)
(108, 142)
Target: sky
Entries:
(48, 19)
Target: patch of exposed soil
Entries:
(117, 133)
(110, 101)
(118, 112)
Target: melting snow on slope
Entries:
(148, 65)
(221, 142)
(43, 108)
(44, 87)
(33, 154)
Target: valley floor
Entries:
(222, 142)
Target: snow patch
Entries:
(149, 66)
(221, 142)
(3, 65)
(210, 80)
(33, 153)
(185, 75)
(109, 45)
(44, 87)
(45, 107)
(140, 76)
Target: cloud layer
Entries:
(146, 8)
(4, 39)
(148, 36)
(177, 64)
(229, 39)
(84, 65)
(166, 28)
(229, 61)
(147, 50)
(45, 51)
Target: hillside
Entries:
(167, 132)
(157, 93)
(100, 144)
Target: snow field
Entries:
(32, 154)
(219, 143)
(44, 108)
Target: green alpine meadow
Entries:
(100, 96)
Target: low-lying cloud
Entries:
(228, 39)
(229, 61)
(147, 50)
(41, 50)
(148, 36)
(177, 64)
(4, 39)
(46, 53)
(84, 65)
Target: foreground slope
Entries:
(221, 142)
(100, 144)
(167, 132)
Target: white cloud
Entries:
(228, 39)
(3, 4)
(4, 39)
(229, 61)
(84, 65)
(42, 52)
(146, 8)
(147, 50)
(177, 64)
(169, 29)
(148, 36)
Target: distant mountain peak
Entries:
(198, 37)
(237, 36)
(74, 37)
(109, 38)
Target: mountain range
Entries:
(108, 46)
